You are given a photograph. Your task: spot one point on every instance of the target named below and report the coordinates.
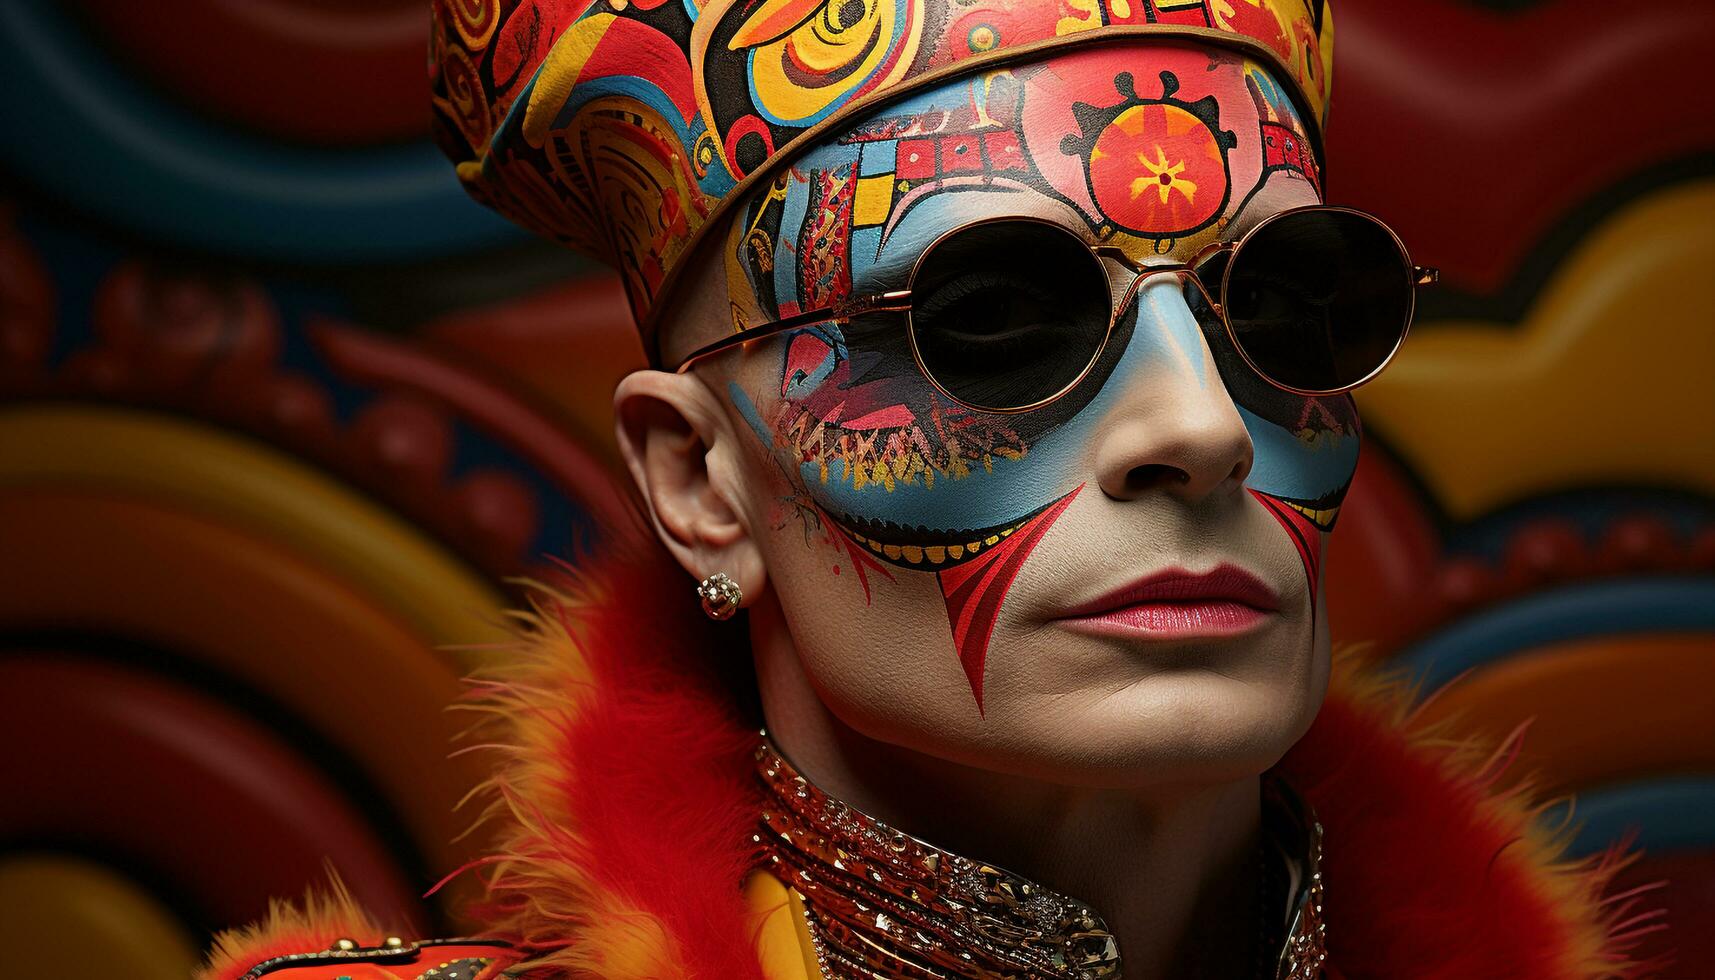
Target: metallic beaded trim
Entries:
(1306, 948)
(391, 950)
(465, 969)
(879, 903)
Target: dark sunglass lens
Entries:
(1008, 313)
(1319, 299)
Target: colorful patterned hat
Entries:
(624, 127)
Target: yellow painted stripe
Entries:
(1606, 381)
(244, 482)
(257, 610)
(68, 917)
(874, 199)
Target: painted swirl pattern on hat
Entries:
(619, 127)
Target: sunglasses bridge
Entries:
(1182, 271)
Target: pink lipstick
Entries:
(1224, 601)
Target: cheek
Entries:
(881, 665)
(1301, 474)
(1308, 463)
(1306, 449)
(899, 484)
(873, 446)
(919, 478)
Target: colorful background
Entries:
(282, 414)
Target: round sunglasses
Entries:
(1007, 315)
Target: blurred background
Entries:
(282, 414)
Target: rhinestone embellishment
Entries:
(879, 903)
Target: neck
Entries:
(1171, 869)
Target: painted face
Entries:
(1158, 149)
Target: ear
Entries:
(682, 453)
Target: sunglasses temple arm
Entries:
(899, 299)
(1422, 275)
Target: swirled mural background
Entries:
(282, 412)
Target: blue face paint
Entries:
(872, 443)
(893, 471)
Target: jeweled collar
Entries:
(880, 903)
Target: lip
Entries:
(1224, 601)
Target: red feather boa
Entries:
(622, 809)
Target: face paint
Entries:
(1157, 150)
(974, 589)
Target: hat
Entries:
(624, 128)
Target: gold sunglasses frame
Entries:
(900, 300)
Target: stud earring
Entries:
(720, 595)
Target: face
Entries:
(955, 579)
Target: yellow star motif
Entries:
(1159, 168)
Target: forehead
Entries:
(1159, 147)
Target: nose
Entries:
(1172, 427)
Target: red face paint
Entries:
(975, 590)
(1305, 535)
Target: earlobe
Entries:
(678, 448)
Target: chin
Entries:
(1180, 727)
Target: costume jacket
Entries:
(634, 812)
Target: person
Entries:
(999, 409)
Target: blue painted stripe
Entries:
(1606, 608)
(1673, 813)
(93, 135)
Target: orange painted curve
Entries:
(254, 609)
(1604, 709)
